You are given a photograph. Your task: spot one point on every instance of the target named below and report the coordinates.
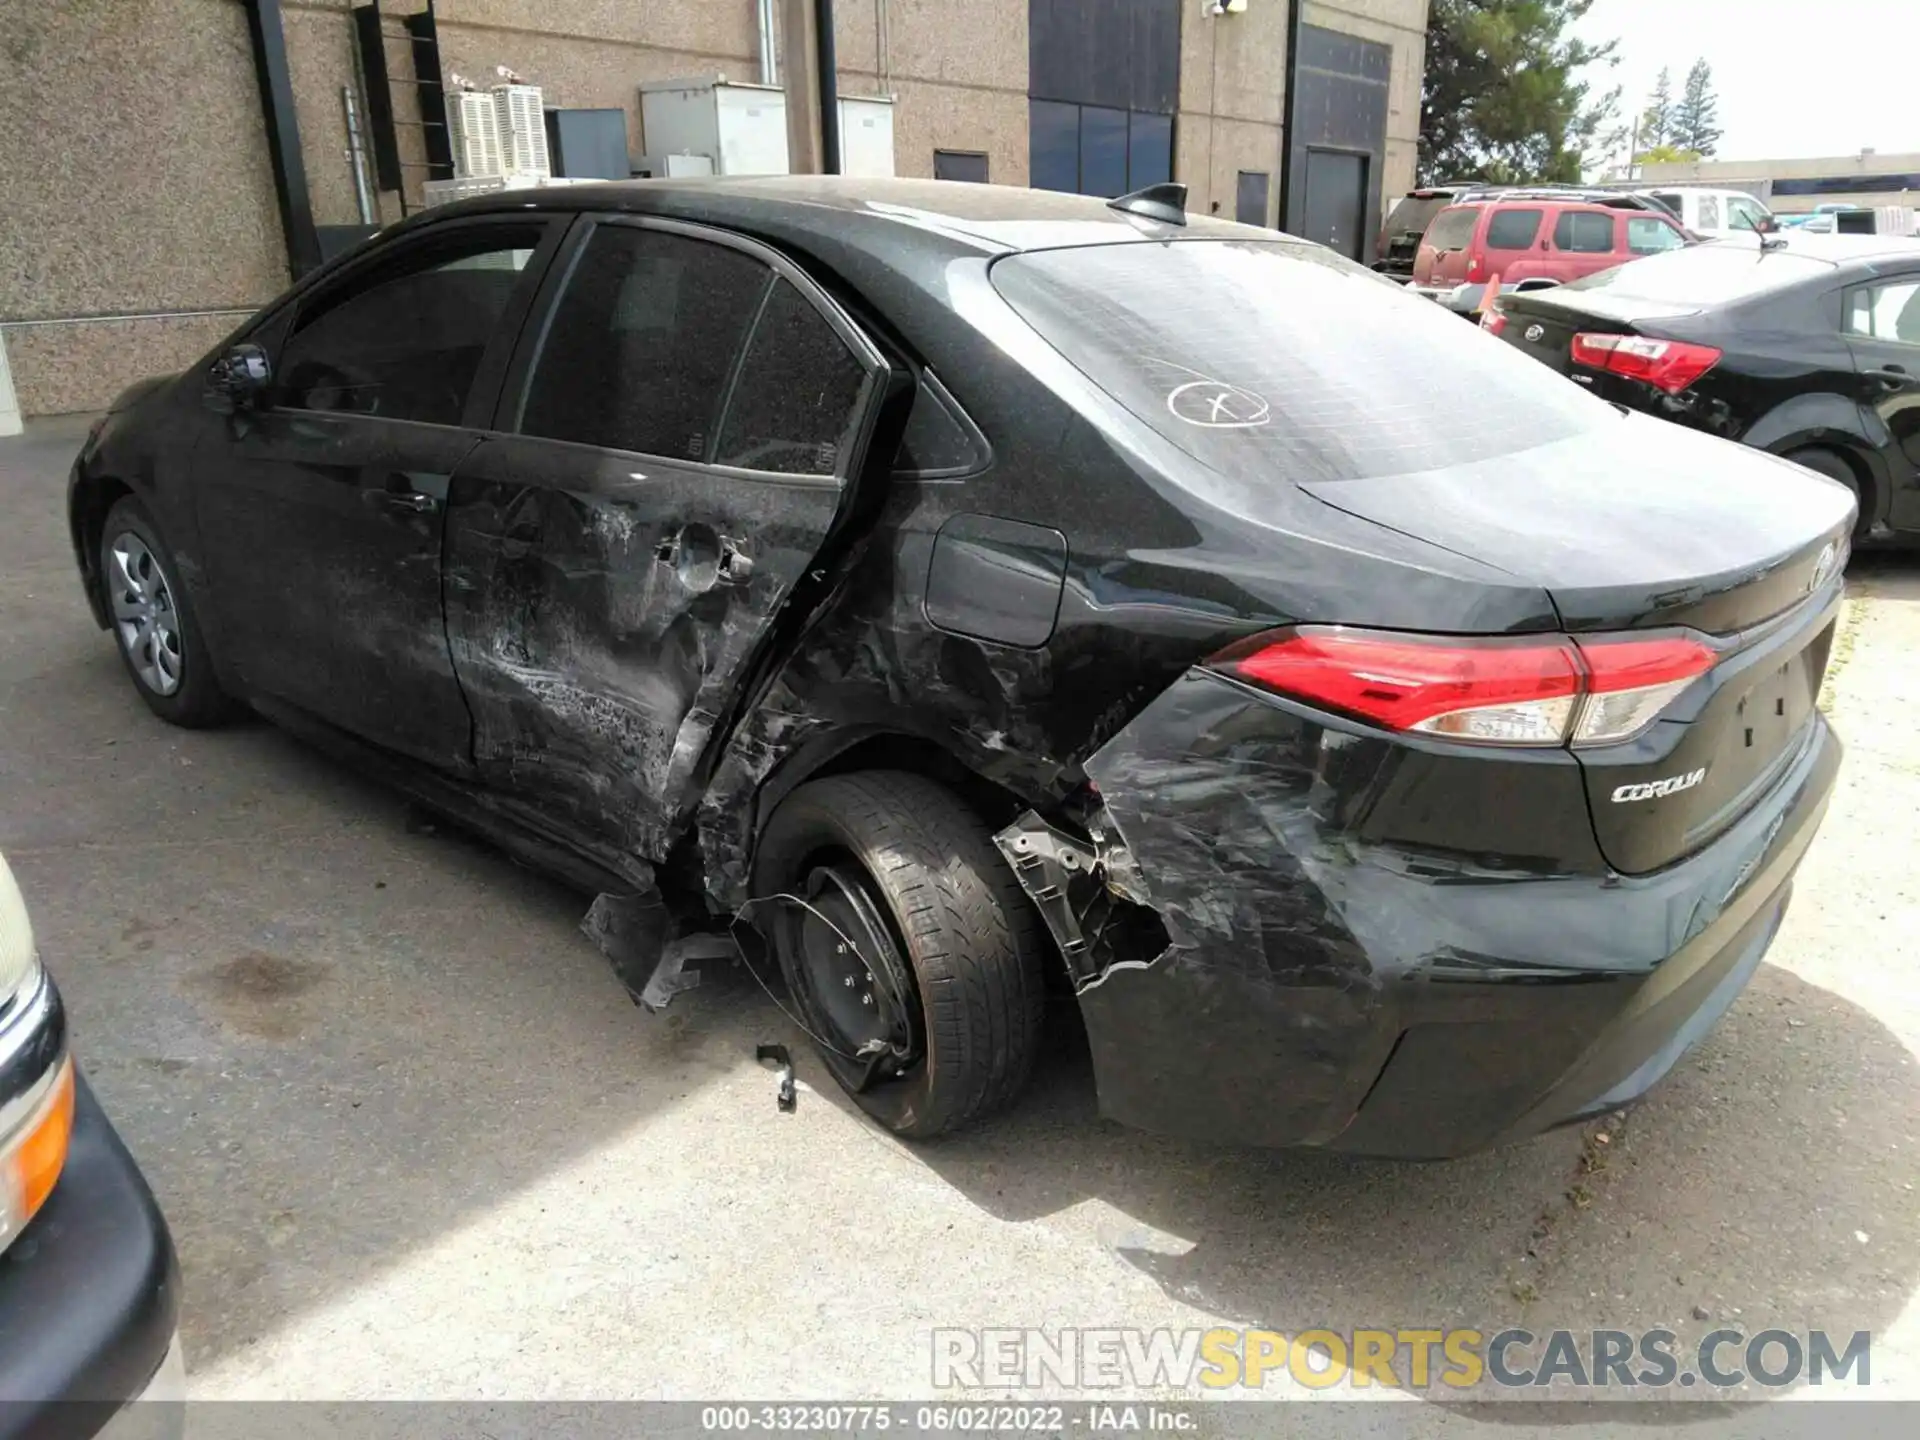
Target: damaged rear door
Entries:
(676, 439)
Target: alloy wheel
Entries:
(144, 615)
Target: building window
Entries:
(1095, 150)
(1250, 198)
(1103, 84)
(960, 165)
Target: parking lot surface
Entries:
(415, 1141)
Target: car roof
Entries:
(875, 213)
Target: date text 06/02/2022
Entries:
(954, 1417)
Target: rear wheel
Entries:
(912, 952)
(153, 621)
(1835, 466)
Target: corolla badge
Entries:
(1534, 332)
(1653, 789)
(1822, 568)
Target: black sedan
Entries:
(1808, 347)
(1387, 745)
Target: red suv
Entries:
(1538, 239)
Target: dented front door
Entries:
(672, 449)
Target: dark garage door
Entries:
(1336, 201)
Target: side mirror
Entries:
(238, 379)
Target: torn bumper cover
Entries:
(1317, 988)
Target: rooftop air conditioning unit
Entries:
(474, 128)
(522, 119)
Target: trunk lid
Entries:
(1543, 323)
(1656, 528)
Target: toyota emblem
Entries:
(1534, 332)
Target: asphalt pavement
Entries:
(415, 1141)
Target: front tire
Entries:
(153, 621)
(907, 930)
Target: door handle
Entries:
(402, 502)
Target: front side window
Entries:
(1745, 214)
(1886, 312)
(640, 348)
(1585, 232)
(1513, 229)
(406, 342)
(1648, 235)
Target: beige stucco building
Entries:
(141, 219)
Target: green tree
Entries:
(1506, 96)
(1656, 121)
(1665, 155)
(1696, 118)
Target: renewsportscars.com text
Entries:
(1224, 1358)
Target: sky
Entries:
(1795, 78)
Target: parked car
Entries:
(1715, 214)
(1809, 349)
(1533, 243)
(89, 1287)
(1389, 745)
(1406, 222)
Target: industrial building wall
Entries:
(140, 221)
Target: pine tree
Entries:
(1512, 94)
(1656, 121)
(1695, 119)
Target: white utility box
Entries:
(445, 192)
(672, 167)
(742, 129)
(866, 135)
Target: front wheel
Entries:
(913, 954)
(154, 623)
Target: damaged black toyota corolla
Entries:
(1394, 747)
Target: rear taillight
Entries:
(1549, 690)
(1669, 365)
(1473, 267)
(1494, 320)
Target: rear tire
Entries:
(153, 621)
(1835, 466)
(945, 903)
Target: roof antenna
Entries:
(1166, 203)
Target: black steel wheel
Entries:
(908, 946)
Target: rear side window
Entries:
(1671, 199)
(1647, 235)
(1584, 232)
(643, 341)
(1709, 212)
(1886, 312)
(798, 394)
(1272, 363)
(1513, 229)
(1452, 228)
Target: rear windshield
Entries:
(1703, 275)
(1270, 361)
(1453, 229)
(1411, 214)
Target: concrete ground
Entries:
(414, 1141)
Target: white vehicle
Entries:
(1714, 214)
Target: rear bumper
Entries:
(1322, 990)
(89, 1300)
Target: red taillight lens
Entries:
(1494, 322)
(1547, 690)
(1669, 365)
(1629, 682)
(1473, 267)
